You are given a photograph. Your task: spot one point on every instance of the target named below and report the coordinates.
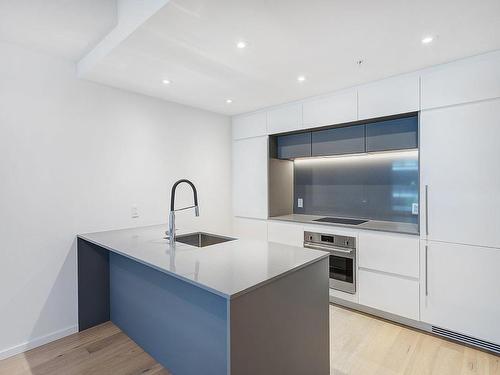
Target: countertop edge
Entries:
(177, 276)
(310, 222)
(277, 277)
(203, 286)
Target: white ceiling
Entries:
(192, 43)
(65, 28)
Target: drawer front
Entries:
(393, 294)
(391, 253)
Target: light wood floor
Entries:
(363, 345)
(102, 350)
(360, 345)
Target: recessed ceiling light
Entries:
(229, 101)
(427, 40)
(166, 82)
(241, 44)
(301, 78)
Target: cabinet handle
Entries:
(426, 210)
(426, 270)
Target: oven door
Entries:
(342, 267)
(343, 271)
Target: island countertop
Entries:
(228, 269)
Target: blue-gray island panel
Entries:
(180, 325)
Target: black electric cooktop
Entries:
(341, 220)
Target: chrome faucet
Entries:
(171, 218)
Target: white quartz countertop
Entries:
(228, 269)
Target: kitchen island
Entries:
(238, 307)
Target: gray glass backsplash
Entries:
(375, 186)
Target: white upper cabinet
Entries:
(459, 167)
(463, 81)
(250, 177)
(460, 289)
(284, 119)
(252, 125)
(389, 97)
(334, 109)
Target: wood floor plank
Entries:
(19, 364)
(364, 345)
(360, 345)
(100, 350)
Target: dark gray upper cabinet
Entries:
(395, 134)
(337, 141)
(294, 145)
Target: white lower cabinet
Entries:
(388, 273)
(460, 289)
(390, 293)
(286, 233)
(387, 252)
(252, 229)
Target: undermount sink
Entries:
(201, 239)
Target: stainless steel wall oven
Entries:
(342, 251)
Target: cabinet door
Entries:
(294, 145)
(389, 97)
(251, 229)
(286, 233)
(250, 177)
(459, 156)
(395, 134)
(463, 81)
(250, 125)
(337, 141)
(460, 289)
(284, 119)
(335, 109)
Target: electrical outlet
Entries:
(414, 209)
(134, 212)
(300, 203)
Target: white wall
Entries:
(74, 157)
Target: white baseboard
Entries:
(37, 341)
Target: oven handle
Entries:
(327, 248)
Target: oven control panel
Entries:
(330, 239)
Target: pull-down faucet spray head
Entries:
(171, 221)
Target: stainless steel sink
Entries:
(201, 239)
